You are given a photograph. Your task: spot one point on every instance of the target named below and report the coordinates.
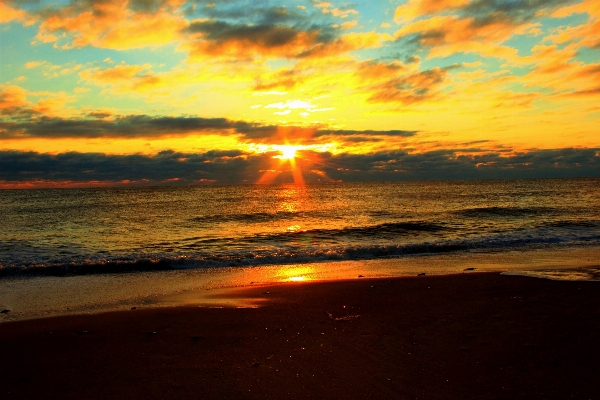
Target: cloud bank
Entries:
(23, 169)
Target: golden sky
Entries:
(104, 92)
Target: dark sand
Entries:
(471, 336)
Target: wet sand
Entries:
(467, 336)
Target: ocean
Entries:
(124, 234)
(81, 231)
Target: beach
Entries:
(461, 336)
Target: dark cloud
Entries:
(146, 6)
(446, 164)
(233, 167)
(222, 38)
(249, 12)
(266, 36)
(363, 139)
(121, 126)
(342, 132)
(247, 29)
(279, 14)
(77, 167)
(516, 12)
(102, 124)
(98, 114)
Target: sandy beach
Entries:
(467, 336)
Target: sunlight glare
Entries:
(287, 152)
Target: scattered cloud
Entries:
(123, 77)
(15, 106)
(9, 13)
(32, 64)
(327, 8)
(13, 100)
(469, 26)
(111, 24)
(395, 83)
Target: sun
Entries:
(287, 152)
(287, 161)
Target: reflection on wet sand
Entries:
(296, 273)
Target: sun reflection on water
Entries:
(291, 197)
(293, 228)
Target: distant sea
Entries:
(57, 232)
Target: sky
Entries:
(195, 92)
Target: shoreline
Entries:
(476, 335)
(40, 297)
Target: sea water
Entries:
(144, 233)
(80, 231)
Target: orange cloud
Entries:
(591, 7)
(33, 64)
(124, 77)
(586, 34)
(551, 60)
(13, 98)
(336, 12)
(446, 27)
(349, 25)
(310, 76)
(53, 106)
(111, 24)
(347, 43)
(394, 83)
(282, 79)
(417, 8)
(447, 35)
(379, 70)
(556, 69)
(9, 14)
(14, 103)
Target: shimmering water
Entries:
(81, 231)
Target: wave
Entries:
(388, 230)
(574, 224)
(144, 262)
(372, 231)
(510, 211)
